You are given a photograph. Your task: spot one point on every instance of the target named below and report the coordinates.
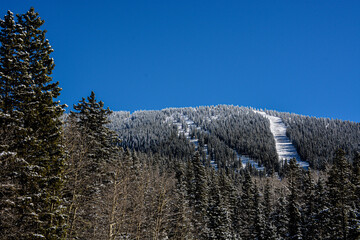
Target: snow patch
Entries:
(284, 148)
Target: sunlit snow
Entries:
(284, 148)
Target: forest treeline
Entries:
(95, 174)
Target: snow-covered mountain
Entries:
(236, 137)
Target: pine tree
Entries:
(308, 211)
(181, 225)
(294, 215)
(281, 218)
(247, 209)
(354, 215)
(340, 195)
(28, 106)
(230, 198)
(219, 220)
(321, 214)
(200, 197)
(9, 122)
(269, 228)
(259, 215)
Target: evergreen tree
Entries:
(281, 218)
(308, 211)
(28, 107)
(230, 198)
(201, 198)
(247, 217)
(340, 195)
(10, 123)
(259, 216)
(321, 214)
(269, 228)
(294, 214)
(219, 220)
(181, 225)
(354, 217)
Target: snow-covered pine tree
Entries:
(9, 168)
(269, 228)
(28, 94)
(293, 208)
(354, 228)
(308, 210)
(259, 215)
(247, 212)
(219, 219)
(180, 225)
(340, 196)
(200, 193)
(321, 214)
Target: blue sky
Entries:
(293, 56)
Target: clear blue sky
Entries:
(295, 56)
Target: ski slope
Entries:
(245, 160)
(284, 148)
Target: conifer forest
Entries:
(210, 172)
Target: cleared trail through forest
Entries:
(245, 160)
(284, 148)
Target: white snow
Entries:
(245, 160)
(191, 125)
(284, 148)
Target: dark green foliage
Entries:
(219, 217)
(309, 223)
(31, 119)
(340, 196)
(200, 198)
(293, 209)
(247, 206)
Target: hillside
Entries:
(230, 136)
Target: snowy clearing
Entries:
(284, 148)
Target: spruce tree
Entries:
(181, 226)
(28, 107)
(259, 215)
(340, 195)
(269, 228)
(322, 217)
(247, 208)
(294, 214)
(200, 197)
(354, 215)
(219, 220)
(308, 211)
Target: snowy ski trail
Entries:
(284, 148)
(245, 160)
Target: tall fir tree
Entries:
(247, 212)
(200, 193)
(269, 228)
(294, 213)
(28, 106)
(219, 219)
(309, 225)
(340, 196)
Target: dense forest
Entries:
(169, 174)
